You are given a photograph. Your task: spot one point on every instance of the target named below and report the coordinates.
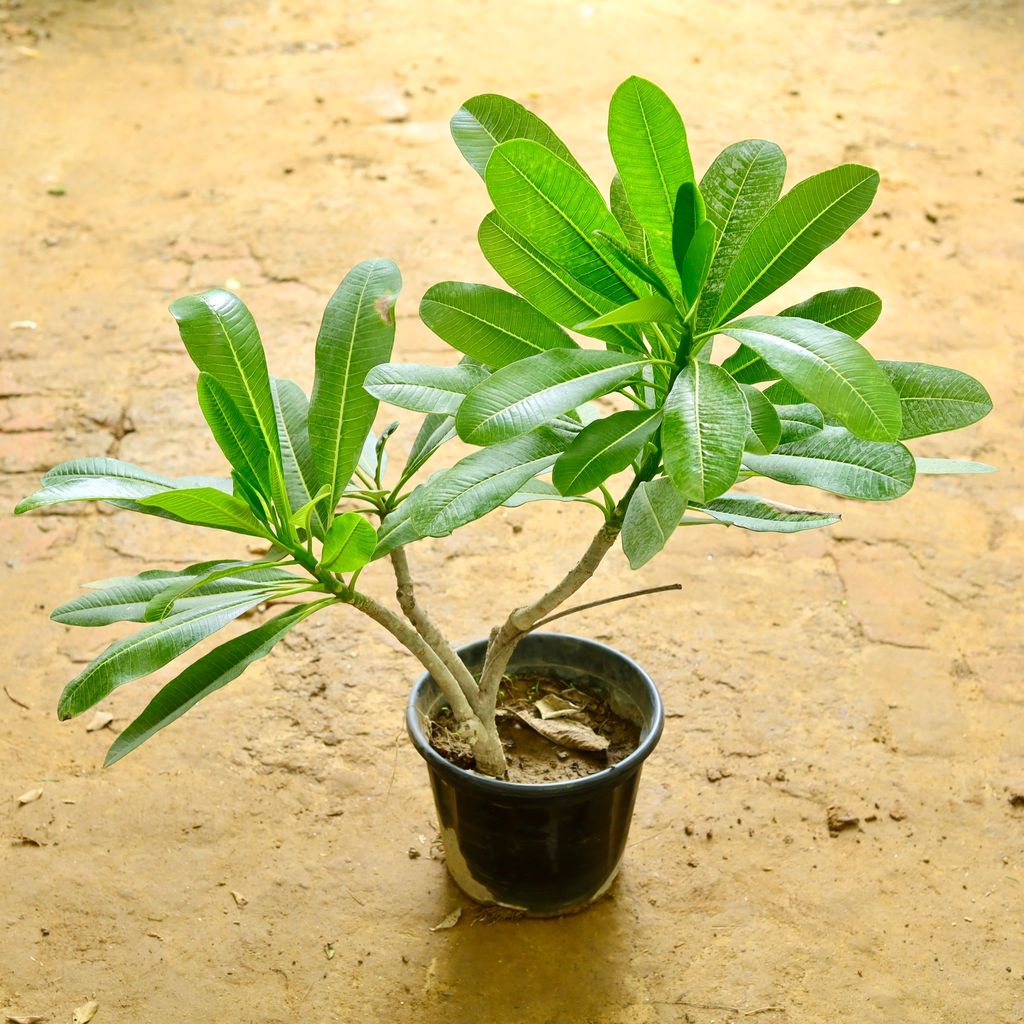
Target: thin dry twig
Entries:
(20, 703)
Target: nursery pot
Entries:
(541, 848)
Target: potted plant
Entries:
(650, 283)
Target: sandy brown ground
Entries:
(876, 666)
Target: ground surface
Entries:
(876, 667)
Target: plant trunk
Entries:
(487, 748)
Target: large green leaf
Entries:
(832, 370)
(648, 142)
(424, 388)
(357, 333)
(806, 220)
(798, 420)
(951, 467)
(739, 187)
(292, 409)
(689, 215)
(640, 272)
(544, 284)
(222, 339)
(653, 514)
(436, 430)
(125, 599)
(636, 237)
(765, 426)
(749, 512)
(349, 543)
(481, 482)
(151, 648)
(535, 490)
(851, 311)
(703, 432)
(246, 449)
(489, 324)
(207, 674)
(697, 261)
(519, 397)
(834, 460)
(558, 209)
(934, 399)
(486, 121)
(649, 309)
(205, 506)
(602, 448)
(94, 479)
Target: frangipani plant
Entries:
(622, 300)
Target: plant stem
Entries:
(427, 628)
(605, 600)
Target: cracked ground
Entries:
(270, 858)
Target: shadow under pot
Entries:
(541, 848)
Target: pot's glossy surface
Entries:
(547, 848)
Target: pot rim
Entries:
(649, 735)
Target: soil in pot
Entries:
(551, 732)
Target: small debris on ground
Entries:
(839, 819)
(329, 950)
(240, 900)
(99, 721)
(898, 812)
(1017, 796)
(85, 1012)
(716, 774)
(30, 797)
(448, 922)
(29, 1018)
(414, 854)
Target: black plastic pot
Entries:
(545, 848)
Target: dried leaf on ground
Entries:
(85, 1012)
(449, 922)
(29, 1018)
(99, 721)
(30, 797)
(566, 733)
(553, 706)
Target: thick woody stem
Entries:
(505, 637)
(422, 651)
(427, 628)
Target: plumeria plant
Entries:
(621, 301)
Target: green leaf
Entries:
(697, 261)
(653, 513)
(535, 490)
(519, 397)
(209, 673)
(307, 511)
(300, 477)
(783, 393)
(832, 370)
(644, 273)
(740, 186)
(765, 427)
(806, 220)
(94, 479)
(125, 599)
(151, 648)
(481, 482)
(357, 333)
(934, 399)
(244, 448)
(397, 527)
(851, 311)
(436, 430)
(489, 324)
(703, 432)
(486, 121)
(602, 448)
(221, 338)
(798, 420)
(636, 237)
(544, 284)
(834, 460)
(558, 209)
(689, 215)
(648, 142)
(424, 388)
(951, 467)
(749, 512)
(651, 309)
(205, 506)
(349, 543)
